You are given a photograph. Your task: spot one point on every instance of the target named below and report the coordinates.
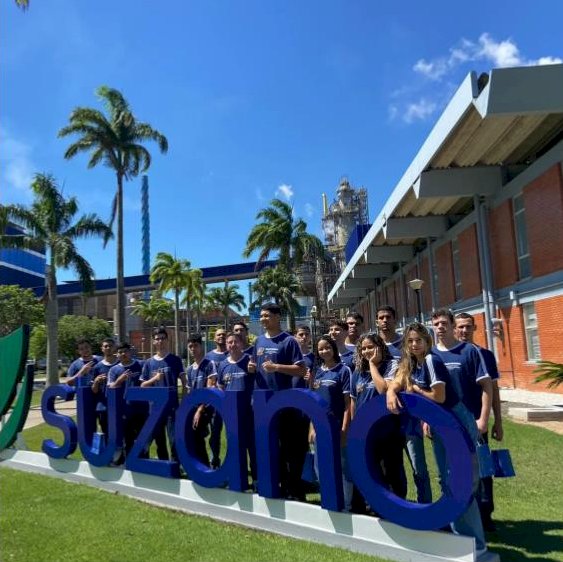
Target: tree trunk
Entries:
(177, 321)
(119, 329)
(51, 321)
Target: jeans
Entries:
(468, 523)
(485, 497)
(347, 485)
(215, 439)
(417, 458)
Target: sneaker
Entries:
(480, 552)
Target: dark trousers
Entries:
(292, 455)
(215, 439)
(134, 422)
(485, 499)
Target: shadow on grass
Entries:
(534, 538)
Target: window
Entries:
(531, 331)
(457, 270)
(521, 237)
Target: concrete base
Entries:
(358, 533)
(546, 413)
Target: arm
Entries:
(486, 402)
(392, 397)
(153, 380)
(100, 379)
(297, 370)
(497, 432)
(83, 371)
(379, 382)
(347, 414)
(437, 392)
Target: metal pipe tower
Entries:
(145, 220)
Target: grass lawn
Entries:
(529, 515)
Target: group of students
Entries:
(347, 368)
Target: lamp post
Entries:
(314, 316)
(416, 286)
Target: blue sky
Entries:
(256, 97)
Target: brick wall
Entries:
(444, 265)
(503, 245)
(543, 203)
(469, 263)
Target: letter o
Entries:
(458, 457)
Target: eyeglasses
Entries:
(160, 339)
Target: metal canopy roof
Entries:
(494, 125)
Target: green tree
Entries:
(194, 296)
(280, 232)
(154, 311)
(71, 329)
(549, 372)
(51, 221)
(23, 4)
(115, 140)
(18, 306)
(281, 285)
(171, 274)
(225, 298)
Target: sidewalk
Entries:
(518, 396)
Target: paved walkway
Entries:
(515, 395)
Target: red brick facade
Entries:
(469, 263)
(503, 244)
(445, 269)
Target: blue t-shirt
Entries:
(362, 387)
(171, 365)
(466, 367)
(249, 350)
(332, 385)
(100, 368)
(395, 348)
(490, 362)
(351, 347)
(216, 356)
(197, 376)
(309, 361)
(348, 358)
(76, 365)
(135, 367)
(282, 349)
(235, 376)
(433, 372)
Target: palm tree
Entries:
(280, 232)
(154, 311)
(116, 141)
(23, 4)
(281, 285)
(194, 294)
(549, 372)
(49, 222)
(171, 274)
(225, 298)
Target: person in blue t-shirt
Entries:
(338, 331)
(387, 329)
(464, 332)
(127, 373)
(276, 360)
(233, 375)
(303, 337)
(80, 367)
(423, 372)
(467, 368)
(241, 329)
(217, 355)
(374, 367)
(164, 369)
(355, 325)
(201, 374)
(99, 375)
(332, 382)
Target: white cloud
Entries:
(485, 50)
(259, 195)
(500, 54)
(17, 168)
(285, 191)
(419, 111)
(309, 209)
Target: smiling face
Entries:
(326, 352)
(337, 333)
(84, 350)
(367, 348)
(234, 345)
(269, 321)
(416, 345)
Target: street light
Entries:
(314, 316)
(416, 286)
